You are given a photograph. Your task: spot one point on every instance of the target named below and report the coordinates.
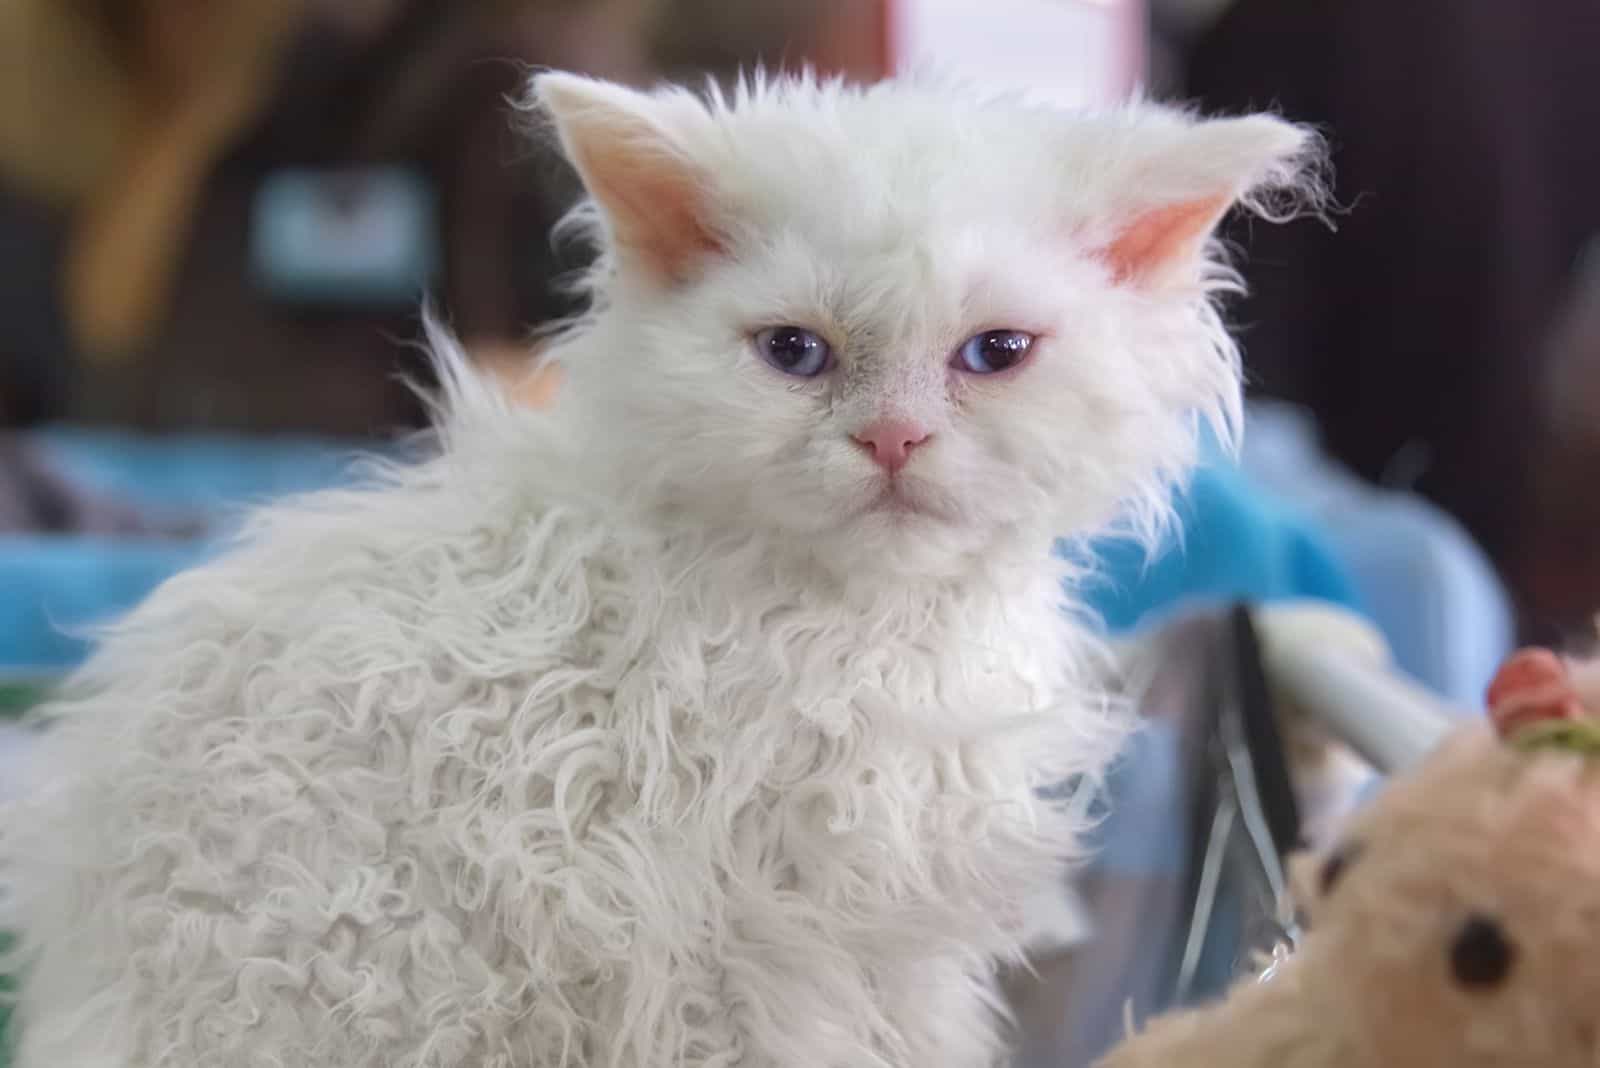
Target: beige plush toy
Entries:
(1457, 923)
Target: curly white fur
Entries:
(622, 735)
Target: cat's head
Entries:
(902, 327)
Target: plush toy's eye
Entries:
(1336, 865)
(1481, 956)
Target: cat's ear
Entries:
(1173, 198)
(655, 199)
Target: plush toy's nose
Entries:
(1481, 956)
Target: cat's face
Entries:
(901, 329)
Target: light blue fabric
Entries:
(1231, 541)
(55, 587)
(193, 472)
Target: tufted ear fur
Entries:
(654, 198)
(1187, 184)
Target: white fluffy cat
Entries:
(697, 721)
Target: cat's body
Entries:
(582, 790)
(579, 745)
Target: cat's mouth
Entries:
(903, 500)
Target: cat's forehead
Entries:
(874, 171)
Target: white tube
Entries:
(1325, 661)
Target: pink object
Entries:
(1532, 685)
(1075, 52)
(890, 441)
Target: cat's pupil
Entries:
(1002, 348)
(992, 351)
(790, 346)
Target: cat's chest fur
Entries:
(764, 779)
(775, 732)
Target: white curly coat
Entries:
(630, 734)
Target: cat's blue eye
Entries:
(794, 350)
(992, 351)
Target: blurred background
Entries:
(217, 218)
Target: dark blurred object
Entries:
(34, 375)
(1559, 567)
(154, 91)
(1174, 28)
(1464, 135)
(690, 38)
(413, 87)
(426, 93)
(36, 498)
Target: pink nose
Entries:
(890, 441)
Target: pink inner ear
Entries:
(656, 204)
(1163, 238)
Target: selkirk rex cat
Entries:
(700, 719)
